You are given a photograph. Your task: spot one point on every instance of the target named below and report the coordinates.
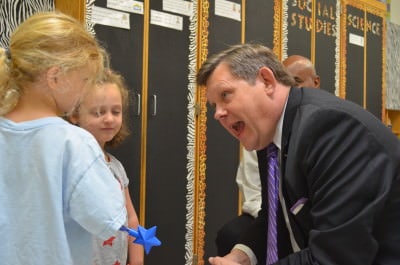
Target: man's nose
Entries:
(220, 112)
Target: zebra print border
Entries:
(284, 29)
(88, 17)
(14, 12)
(191, 139)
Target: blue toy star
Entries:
(144, 237)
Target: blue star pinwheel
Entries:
(144, 237)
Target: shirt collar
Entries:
(277, 139)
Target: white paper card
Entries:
(109, 17)
(126, 5)
(178, 6)
(356, 39)
(228, 9)
(166, 20)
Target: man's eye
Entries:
(298, 80)
(224, 94)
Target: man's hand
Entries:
(221, 261)
(235, 257)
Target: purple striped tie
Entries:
(273, 193)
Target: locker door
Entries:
(168, 55)
(125, 49)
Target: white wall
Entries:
(395, 11)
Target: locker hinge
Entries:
(197, 109)
(194, 261)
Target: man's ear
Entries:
(52, 75)
(268, 78)
(316, 81)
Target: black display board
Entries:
(354, 55)
(222, 149)
(168, 53)
(374, 64)
(259, 26)
(299, 38)
(326, 32)
(299, 26)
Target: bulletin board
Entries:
(354, 57)
(259, 22)
(363, 55)
(326, 57)
(375, 88)
(311, 29)
(299, 28)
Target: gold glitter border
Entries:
(201, 129)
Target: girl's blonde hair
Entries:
(42, 41)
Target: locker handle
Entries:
(154, 112)
(139, 104)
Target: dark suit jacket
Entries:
(344, 164)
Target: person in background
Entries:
(335, 166)
(302, 70)
(248, 176)
(53, 178)
(102, 113)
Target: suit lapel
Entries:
(292, 106)
(294, 99)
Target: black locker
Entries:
(167, 139)
(166, 130)
(125, 49)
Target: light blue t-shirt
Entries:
(115, 249)
(55, 192)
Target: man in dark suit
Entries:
(340, 166)
(247, 177)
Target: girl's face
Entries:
(100, 112)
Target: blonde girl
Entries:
(53, 177)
